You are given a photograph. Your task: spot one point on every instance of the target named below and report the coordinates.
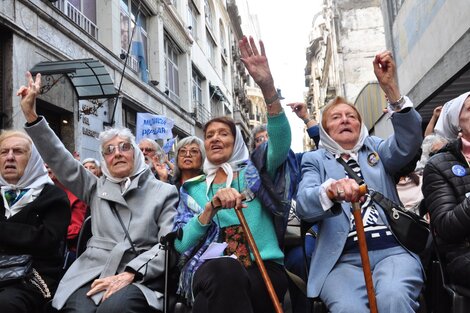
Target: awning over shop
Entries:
(370, 102)
(88, 76)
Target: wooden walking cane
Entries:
(361, 239)
(259, 261)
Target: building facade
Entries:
(431, 43)
(255, 104)
(184, 69)
(345, 37)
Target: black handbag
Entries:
(14, 268)
(410, 229)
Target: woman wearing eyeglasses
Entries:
(190, 156)
(112, 275)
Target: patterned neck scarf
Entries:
(12, 196)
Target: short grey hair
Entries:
(184, 142)
(427, 148)
(109, 134)
(258, 129)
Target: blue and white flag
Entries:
(138, 50)
(153, 126)
(167, 146)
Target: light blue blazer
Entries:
(320, 165)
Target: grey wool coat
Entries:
(147, 209)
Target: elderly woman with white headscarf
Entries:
(128, 219)
(448, 124)
(446, 190)
(325, 193)
(208, 218)
(34, 215)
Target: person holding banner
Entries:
(326, 192)
(155, 158)
(130, 212)
(208, 218)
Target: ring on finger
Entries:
(339, 192)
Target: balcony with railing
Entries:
(201, 114)
(132, 61)
(77, 17)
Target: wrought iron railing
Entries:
(77, 17)
(132, 61)
(201, 114)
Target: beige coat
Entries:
(147, 209)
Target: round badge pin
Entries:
(373, 159)
(458, 170)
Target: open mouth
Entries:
(216, 148)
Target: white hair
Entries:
(91, 160)
(427, 148)
(109, 134)
(184, 142)
(158, 150)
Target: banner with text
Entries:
(153, 126)
(169, 144)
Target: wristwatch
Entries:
(397, 105)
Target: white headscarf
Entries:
(239, 156)
(447, 125)
(327, 143)
(139, 167)
(34, 178)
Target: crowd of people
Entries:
(135, 195)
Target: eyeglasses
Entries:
(123, 147)
(260, 139)
(183, 152)
(147, 150)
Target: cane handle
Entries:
(362, 191)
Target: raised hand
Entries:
(300, 109)
(255, 62)
(28, 95)
(160, 168)
(437, 112)
(386, 72)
